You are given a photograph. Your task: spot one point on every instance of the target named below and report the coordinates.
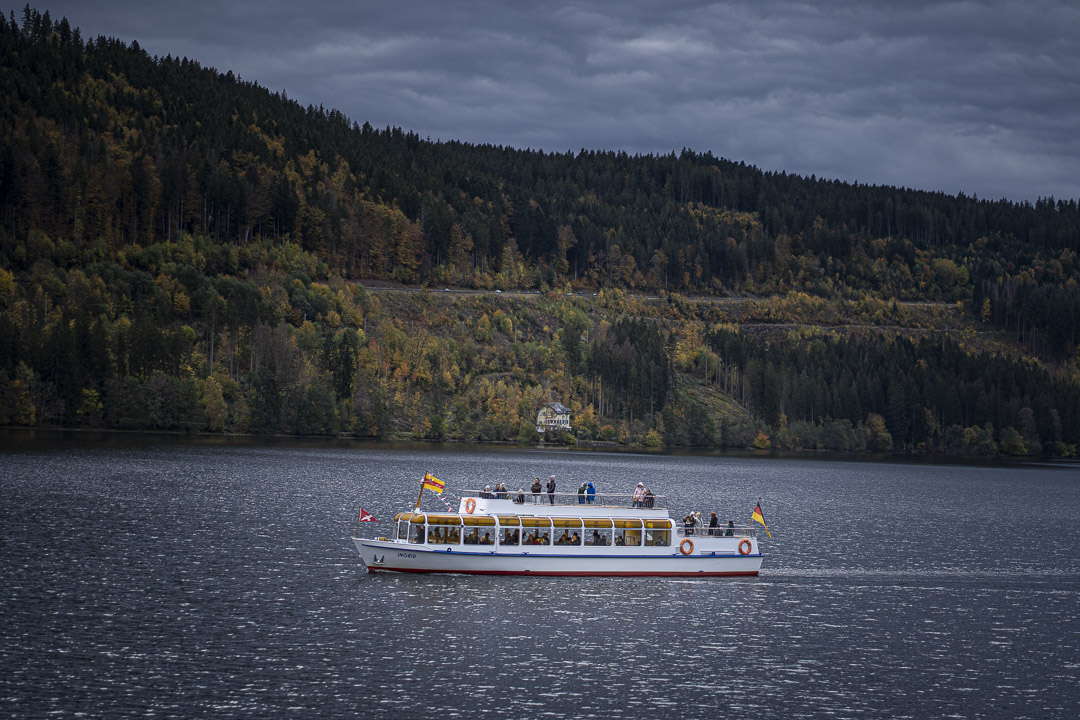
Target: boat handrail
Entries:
(680, 531)
(571, 498)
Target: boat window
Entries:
(536, 531)
(510, 530)
(658, 532)
(567, 536)
(479, 536)
(416, 532)
(536, 536)
(627, 533)
(598, 537)
(444, 529)
(403, 530)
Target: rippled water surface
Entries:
(157, 577)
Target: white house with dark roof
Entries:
(553, 416)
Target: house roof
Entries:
(559, 408)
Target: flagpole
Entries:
(359, 512)
(421, 495)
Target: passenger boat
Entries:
(561, 534)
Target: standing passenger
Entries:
(639, 495)
(730, 532)
(714, 523)
(536, 488)
(590, 493)
(581, 494)
(521, 497)
(650, 499)
(551, 489)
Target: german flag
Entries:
(760, 518)
(433, 483)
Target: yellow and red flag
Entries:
(760, 518)
(433, 483)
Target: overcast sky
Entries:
(979, 97)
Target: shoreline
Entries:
(14, 438)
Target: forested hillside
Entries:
(181, 249)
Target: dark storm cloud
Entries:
(960, 96)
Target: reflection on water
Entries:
(170, 579)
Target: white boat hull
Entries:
(710, 557)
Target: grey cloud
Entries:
(978, 97)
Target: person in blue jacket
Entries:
(590, 492)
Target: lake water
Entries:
(160, 577)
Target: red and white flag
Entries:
(365, 516)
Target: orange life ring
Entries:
(686, 546)
(744, 547)
(470, 505)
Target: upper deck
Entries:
(601, 505)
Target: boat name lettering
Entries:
(406, 555)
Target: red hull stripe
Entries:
(567, 574)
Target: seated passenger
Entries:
(619, 540)
(650, 499)
(596, 538)
(564, 539)
(575, 540)
(520, 499)
(486, 540)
